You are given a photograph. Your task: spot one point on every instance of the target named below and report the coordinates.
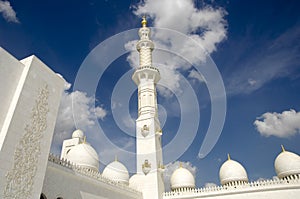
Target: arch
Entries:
(43, 196)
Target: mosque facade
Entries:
(30, 101)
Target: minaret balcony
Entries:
(146, 73)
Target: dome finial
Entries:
(116, 158)
(283, 149)
(228, 156)
(180, 164)
(84, 139)
(144, 21)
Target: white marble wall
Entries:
(27, 129)
(10, 72)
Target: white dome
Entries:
(182, 178)
(116, 171)
(287, 163)
(84, 155)
(135, 182)
(78, 134)
(232, 171)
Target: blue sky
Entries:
(254, 44)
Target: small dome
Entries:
(78, 134)
(135, 182)
(84, 155)
(232, 171)
(287, 163)
(116, 171)
(182, 178)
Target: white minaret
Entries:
(148, 131)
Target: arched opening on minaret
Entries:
(43, 196)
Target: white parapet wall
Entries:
(275, 189)
(64, 180)
(30, 97)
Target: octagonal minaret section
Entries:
(146, 75)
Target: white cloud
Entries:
(252, 82)
(74, 106)
(8, 12)
(100, 112)
(133, 57)
(193, 74)
(171, 167)
(283, 125)
(205, 27)
(210, 184)
(167, 14)
(171, 81)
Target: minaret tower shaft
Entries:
(148, 130)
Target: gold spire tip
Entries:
(84, 139)
(116, 158)
(283, 149)
(228, 156)
(180, 164)
(144, 21)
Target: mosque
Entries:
(29, 104)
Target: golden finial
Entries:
(283, 149)
(84, 139)
(180, 164)
(144, 21)
(116, 158)
(228, 156)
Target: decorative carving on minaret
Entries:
(161, 167)
(159, 132)
(146, 167)
(145, 130)
(20, 179)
